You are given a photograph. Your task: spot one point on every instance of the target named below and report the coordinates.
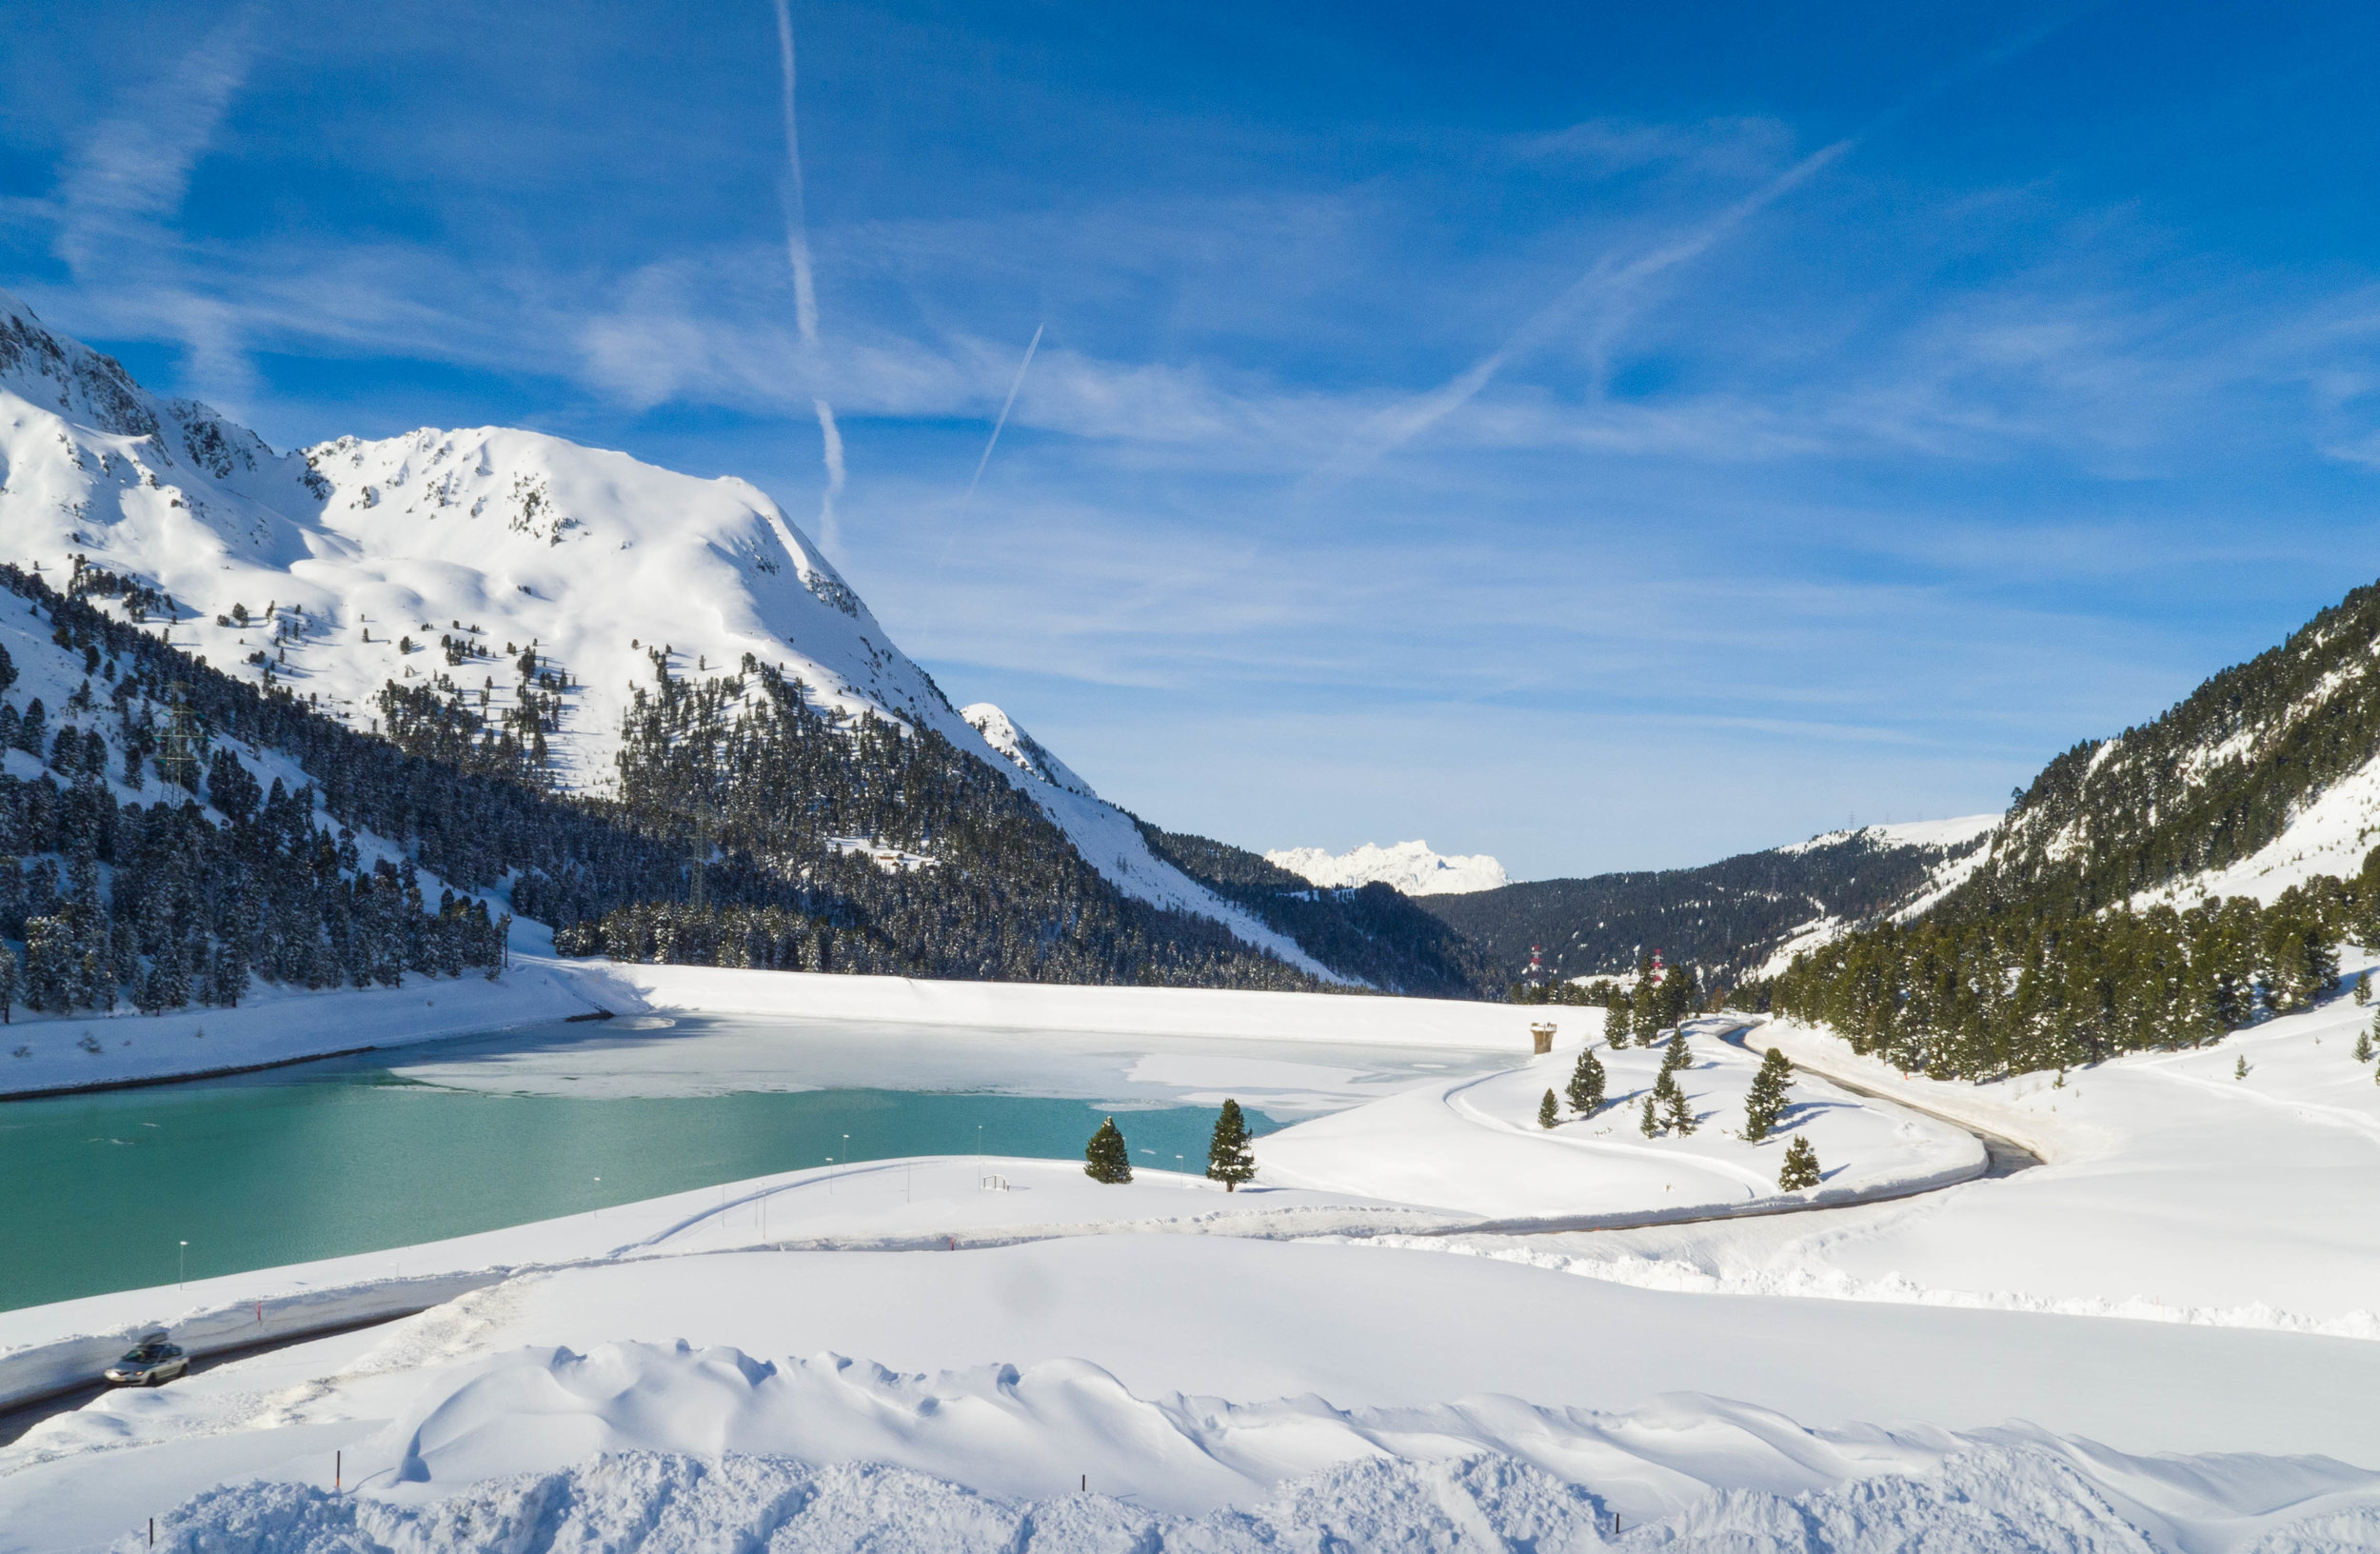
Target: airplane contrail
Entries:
(1398, 425)
(1014, 385)
(805, 290)
(831, 436)
(796, 205)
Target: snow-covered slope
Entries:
(1946, 835)
(2328, 834)
(1029, 755)
(1411, 866)
(342, 567)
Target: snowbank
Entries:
(276, 1025)
(1220, 1387)
(1022, 1005)
(929, 1202)
(1973, 1499)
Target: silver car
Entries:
(149, 1363)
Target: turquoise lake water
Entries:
(387, 1149)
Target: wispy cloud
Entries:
(1610, 284)
(129, 176)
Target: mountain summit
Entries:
(1411, 866)
(414, 575)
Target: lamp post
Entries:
(181, 1264)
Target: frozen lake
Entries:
(388, 1150)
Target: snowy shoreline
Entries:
(278, 1027)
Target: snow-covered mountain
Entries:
(1743, 916)
(442, 556)
(2264, 777)
(1411, 866)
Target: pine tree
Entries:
(1649, 1123)
(11, 982)
(1679, 1055)
(1586, 1084)
(2363, 989)
(1764, 1104)
(1801, 1167)
(1549, 1112)
(1229, 1159)
(2363, 1046)
(2239, 1069)
(1680, 1115)
(1105, 1157)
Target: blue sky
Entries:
(1604, 436)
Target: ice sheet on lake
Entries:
(700, 1055)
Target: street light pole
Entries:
(181, 1264)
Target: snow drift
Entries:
(637, 1446)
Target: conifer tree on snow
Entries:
(2363, 989)
(2363, 1046)
(1548, 1111)
(1679, 1115)
(1105, 1157)
(1649, 1123)
(11, 983)
(2239, 1069)
(1679, 1055)
(1764, 1105)
(1586, 1084)
(1229, 1159)
(1801, 1167)
(1615, 1021)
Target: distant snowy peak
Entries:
(1008, 736)
(1411, 866)
(1943, 835)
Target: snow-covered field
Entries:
(904, 1353)
(2174, 1193)
(1203, 1389)
(1474, 1143)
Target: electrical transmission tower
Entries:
(177, 748)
